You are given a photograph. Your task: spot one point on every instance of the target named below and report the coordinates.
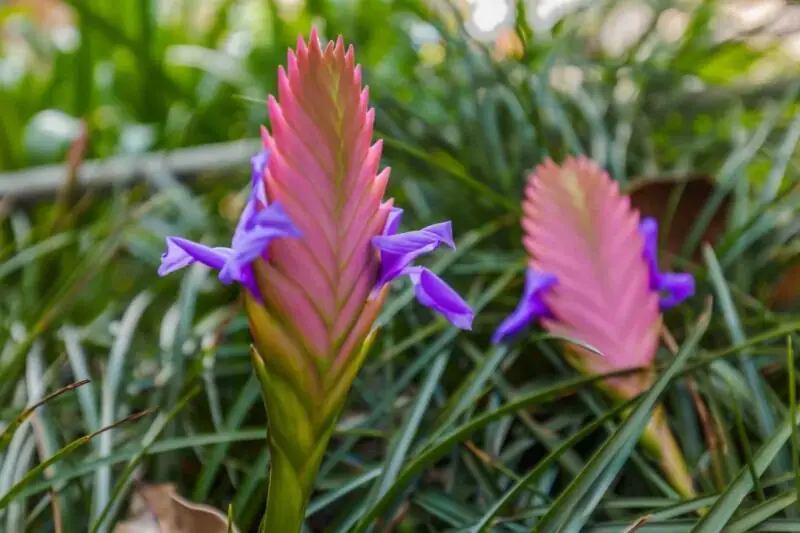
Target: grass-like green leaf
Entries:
(729, 501)
(566, 513)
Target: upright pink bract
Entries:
(323, 170)
(578, 225)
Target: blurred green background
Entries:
(691, 105)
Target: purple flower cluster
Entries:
(398, 251)
(672, 287)
(261, 222)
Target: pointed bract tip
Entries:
(300, 47)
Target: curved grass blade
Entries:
(158, 425)
(87, 396)
(111, 385)
(58, 456)
(566, 513)
(8, 432)
(398, 452)
(729, 501)
(485, 521)
(761, 513)
(766, 416)
(439, 448)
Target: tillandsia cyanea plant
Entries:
(316, 248)
(593, 276)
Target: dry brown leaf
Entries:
(160, 509)
(654, 197)
(787, 290)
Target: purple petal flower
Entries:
(431, 291)
(675, 286)
(393, 221)
(250, 240)
(181, 253)
(679, 286)
(530, 305)
(398, 251)
(252, 236)
(258, 165)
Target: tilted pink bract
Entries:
(579, 227)
(323, 170)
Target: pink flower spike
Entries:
(579, 228)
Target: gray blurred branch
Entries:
(45, 181)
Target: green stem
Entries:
(287, 495)
(659, 440)
(297, 444)
(302, 410)
(291, 485)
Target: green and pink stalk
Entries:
(315, 248)
(593, 276)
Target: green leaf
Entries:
(442, 445)
(398, 451)
(731, 499)
(484, 523)
(766, 416)
(575, 504)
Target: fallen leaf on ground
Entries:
(786, 291)
(160, 509)
(654, 197)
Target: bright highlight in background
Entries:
(488, 15)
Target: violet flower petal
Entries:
(672, 287)
(393, 221)
(431, 291)
(398, 251)
(258, 225)
(530, 305)
(679, 286)
(648, 227)
(275, 218)
(181, 253)
(270, 223)
(258, 165)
